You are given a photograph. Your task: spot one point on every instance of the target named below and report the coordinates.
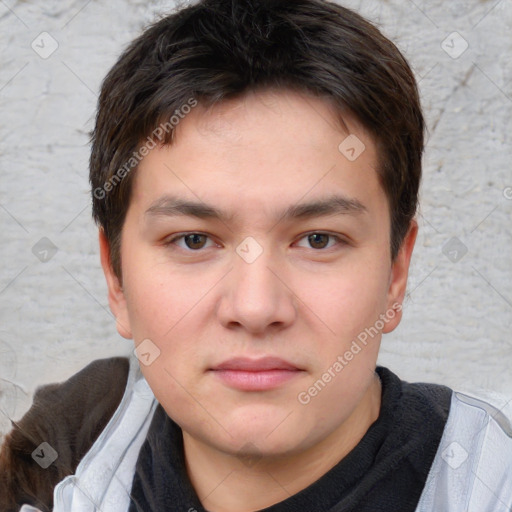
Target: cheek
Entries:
(156, 297)
(167, 309)
(176, 392)
(349, 300)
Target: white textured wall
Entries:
(457, 328)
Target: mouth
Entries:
(256, 374)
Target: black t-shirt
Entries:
(385, 472)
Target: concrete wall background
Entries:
(457, 328)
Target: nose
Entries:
(256, 295)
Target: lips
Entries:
(256, 365)
(256, 374)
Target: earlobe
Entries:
(116, 297)
(398, 277)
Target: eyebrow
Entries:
(170, 206)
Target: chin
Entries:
(261, 439)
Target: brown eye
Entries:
(195, 240)
(318, 240)
(191, 242)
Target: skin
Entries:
(302, 300)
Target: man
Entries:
(255, 169)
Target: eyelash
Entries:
(339, 241)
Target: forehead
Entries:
(264, 149)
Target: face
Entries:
(255, 258)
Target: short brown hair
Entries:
(220, 49)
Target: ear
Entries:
(398, 278)
(116, 298)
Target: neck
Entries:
(224, 483)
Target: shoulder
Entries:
(473, 466)
(68, 416)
